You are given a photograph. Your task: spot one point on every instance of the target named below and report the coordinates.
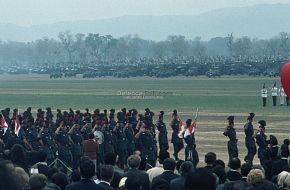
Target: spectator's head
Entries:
(200, 179)
(60, 179)
(210, 158)
(185, 168)
(235, 163)
(134, 161)
(283, 180)
(221, 173)
(143, 164)
(8, 181)
(219, 162)
(17, 154)
(37, 181)
(87, 167)
(22, 176)
(178, 164)
(160, 184)
(169, 164)
(162, 156)
(42, 156)
(75, 176)
(107, 173)
(255, 176)
(245, 169)
(110, 158)
(51, 172)
(273, 140)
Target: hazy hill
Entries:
(262, 21)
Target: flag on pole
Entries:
(17, 125)
(4, 124)
(180, 126)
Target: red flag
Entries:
(191, 128)
(17, 125)
(180, 127)
(4, 124)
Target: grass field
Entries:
(215, 98)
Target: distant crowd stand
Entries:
(210, 66)
(126, 150)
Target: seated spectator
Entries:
(60, 179)
(107, 174)
(22, 177)
(110, 159)
(8, 181)
(245, 169)
(37, 181)
(87, 169)
(221, 174)
(169, 168)
(234, 174)
(209, 159)
(281, 164)
(133, 183)
(256, 179)
(160, 184)
(158, 169)
(41, 167)
(133, 162)
(219, 162)
(18, 157)
(178, 183)
(283, 180)
(75, 176)
(200, 179)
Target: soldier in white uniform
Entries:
(282, 96)
(264, 94)
(274, 91)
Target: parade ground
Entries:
(215, 98)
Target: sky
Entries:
(34, 12)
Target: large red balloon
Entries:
(285, 78)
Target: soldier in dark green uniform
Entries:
(47, 143)
(249, 139)
(129, 132)
(121, 141)
(109, 141)
(146, 145)
(261, 140)
(31, 137)
(64, 143)
(232, 143)
(176, 140)
(76, 147)
(162, 137)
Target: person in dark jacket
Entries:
(168, 174)
(250, 140)
(232, 143)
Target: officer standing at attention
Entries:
(232, 143)
(261, 139)
(176, 140)
(264, 94)
(162, 137)
(76, 147)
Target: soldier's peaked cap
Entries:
(262, 123)
(188, 122)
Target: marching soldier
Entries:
(232, 143)
(109, 141)
(176, 140)
(76, 147)
(64, 143)
(146, 143)
(249, 139)
(47, 143)
(129, 132)
(121, 148)
(162, 137)
(261, 139)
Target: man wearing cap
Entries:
(249, 139)
(261, 139)
(47, 143)
(162, 136)
(76, 147)
(232, 143)
(274, 93)
(176, 140)
(264, 94)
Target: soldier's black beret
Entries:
(135, 111)
(147, 110)
(87, 109)
(15, 110)
(123, 110)
(48, 108)
(188, 122)
(105, 111)
(231, 118)
(161, 112)
(251, 116)
(112, 111)
(97, 111)
(262, 123)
